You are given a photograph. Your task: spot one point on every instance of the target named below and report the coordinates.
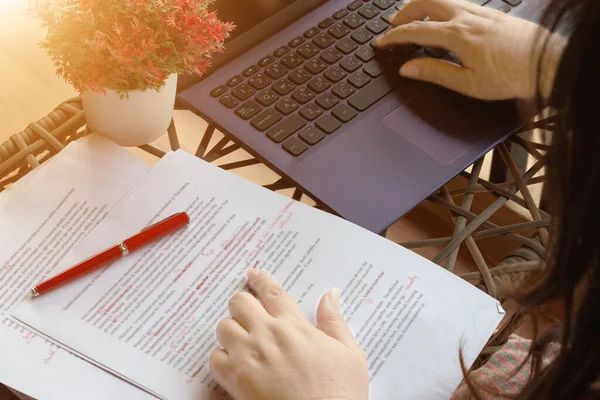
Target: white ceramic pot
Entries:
(134, 121)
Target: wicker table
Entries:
(526, 239)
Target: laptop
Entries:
(301, 88)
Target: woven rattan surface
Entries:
(41, 140)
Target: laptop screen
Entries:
(246, 14)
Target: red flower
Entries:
(130, 44)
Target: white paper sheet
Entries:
(91, 176)
(151, 317)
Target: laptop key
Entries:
(326, 23)
(295, 146)
(315, 66)
(286, 128)
(384, 4)
(303, 95)
(319, 84)
(373, 69)
(248, 72)
(296, 41)
(292, 60)
(308, 50)
(338, 31)
(286, 106)
(505, 8)
(282, 51)
(248, 110)
(243, 92)
(311, 135)
(218, 91)
(365, 54)
(299, 76)
(358, 79)
(354, 21)
(327, 101)
(343, 90)
(311, 112)
(355, 5)
(259, 81)
(276, 71)
(335, 74)
(323, 40)
(374, 91)
(328, 124)
(341, 14)
(283, 87)
(312, 32)
(346, 46)
(362, 36)
(266, 61)
(331, 56)
(266, 97)
(266, 119)
(377, 26)
(369, 11)
(350, 64)
(344, 113)
(388, 15)
(229, 101)
(236, 80)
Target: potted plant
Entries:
(124, 56)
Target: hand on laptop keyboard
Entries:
(308, 88)
(499, 53)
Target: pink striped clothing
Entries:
(498, 374)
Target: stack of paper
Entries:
(41, 218)
(150, 317)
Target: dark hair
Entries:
(573, 270)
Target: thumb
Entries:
(330, 320)
(440, 72)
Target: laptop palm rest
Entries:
(443, 124)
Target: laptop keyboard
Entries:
(323, 79)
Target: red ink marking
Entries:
(369, 300)
(282, 224)
(202, 283)
(107, 310)
(412, 280)
(7, 267)
(51, 354)
(368, 292)
(28, 336)
(207, 253)
(114, 320)
(255, 264)
(183, 271)
(195, 374)
(189, 381)
(225, 244)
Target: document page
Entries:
(41, 218)
(151, 316)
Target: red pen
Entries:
(145, 237)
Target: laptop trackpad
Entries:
(443, 124)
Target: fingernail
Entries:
(253, 273)
(409, 71)
(378, 40)
(334, 297)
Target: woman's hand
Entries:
(499, 53)
(271, 351)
